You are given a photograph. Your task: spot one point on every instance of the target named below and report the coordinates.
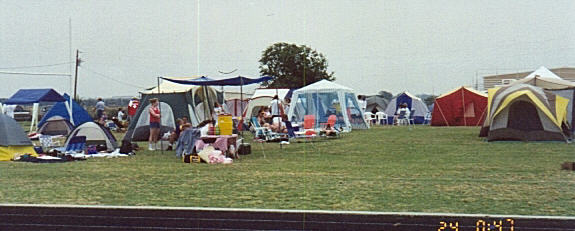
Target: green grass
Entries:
(425, 169)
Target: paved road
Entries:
(108, 218)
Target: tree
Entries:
(293, 66)
(429, 100)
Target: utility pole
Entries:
(78, 61)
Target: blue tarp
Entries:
(59, 109)
(205, 81)
(30, 96)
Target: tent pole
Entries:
(160, 108)
(241, 112)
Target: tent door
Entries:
(523, 116)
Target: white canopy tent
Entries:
(325, 98)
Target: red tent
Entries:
(460, 107)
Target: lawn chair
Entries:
(381, 118)
(259, 131)
(292, 134)
(368, 116)
(427, 118)
(331, 123)
(76, 144)
(402, 118)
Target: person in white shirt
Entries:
(275, 107)
(120, 115)
(362, 103)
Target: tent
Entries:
(460, 107)
(69, 110)
(261, 98)
(413, 103)
(56, 125)
(525, 112)
(235, 102)
(325, 98)
(34, 96)
(13, 140)
(95, 135)
(376, 103)
(545, 79)
(176, 101)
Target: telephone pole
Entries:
(78, 61)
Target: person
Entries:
(362, 103)
(262, 120)
(275, 107)
(278, 125)
(155, 117)
(217, 111)
(133, 108)
(402, 108)
(120, 115)
(9, 110)
(286, 105)
(100, 108)
(174, 135)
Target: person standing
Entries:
(362, 103)
(100, 108)
(276, 107)
(133, 108)
(155, 119)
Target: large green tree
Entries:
(293, 66)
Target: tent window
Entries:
(469, 111)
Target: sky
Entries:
(419, 46)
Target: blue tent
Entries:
(30, 96)
(413, 103)
(80, 115)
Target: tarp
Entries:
(325, 98)
(413, 103)
(460, 107)
(525, 112)
(13, 140)
(205, 81)
(79, 115)
(30, 96)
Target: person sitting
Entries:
(174, 135)
(262, 120)
(401, 110)
(278, 125)
(328, 131)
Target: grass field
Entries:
(425, 169)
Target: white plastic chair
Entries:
(381, 117)
(368, 116)
(427, 118)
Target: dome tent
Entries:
(413, 103)
(95, 135)
(176, 101)
(525, 112)
(13, 140)
(69, 110)
(56, 125)
(325, 98)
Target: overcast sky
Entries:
(420, 46)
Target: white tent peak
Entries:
(543, 72)
(325, 84)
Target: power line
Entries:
(47, 65)
(110, 78)
(30, 73)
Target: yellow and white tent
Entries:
(13, 140)
(525, 112)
